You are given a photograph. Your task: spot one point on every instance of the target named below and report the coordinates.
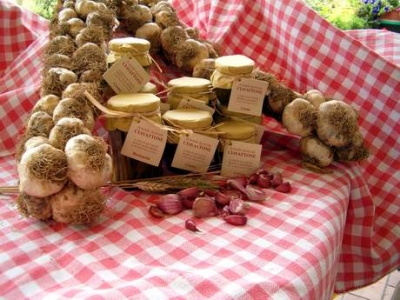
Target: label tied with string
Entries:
(145, 141)
(194, 152)
(240, 158)
(126, 76)
(247, 96)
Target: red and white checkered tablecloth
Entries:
(336, 231)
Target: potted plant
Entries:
(381, 13)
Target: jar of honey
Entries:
(190, 88)
(228, 69)
(182, 121)
(142, 107)
(130, 47)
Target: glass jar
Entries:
(188, 88)
(228, 69)
(236, 131)
(139, 104)
(226, 115)
(199, 121)
(130, 47)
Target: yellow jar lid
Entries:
(134, 103)
(129, 44)
(188, 118)
(235, 130)
(234, 64)
(189, 85)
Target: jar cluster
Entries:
(188, 104)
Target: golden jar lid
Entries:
(236, 130)
(188, 118)
(234, 64)
(134, 103)
(147, 105)
(129, 44)
(189, 85)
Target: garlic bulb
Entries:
(298, 117)
(315, 152)
(42, 171)
(89, 165)
(315, 97)
(66, 128)
(336, 123)
(73, 205)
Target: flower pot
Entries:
(390, 20)
(393, 15)
(391, 25)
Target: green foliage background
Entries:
(344, 14)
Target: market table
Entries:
(332, 232)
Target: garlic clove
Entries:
(189, 193)
(190, 224)
(221, 198)
(264, 181)
(255, 193)
(284, 187)
(276, 179)
(238, 207)
(170, 204)
(238, 183)
(253, 178)
(237, 220)
(156, 212)
(187, 203)
(204, 207)
(225, 211)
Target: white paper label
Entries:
(240, 158)
(126, 76)
(194, 152)
(247, 96)
(145, 142)
(196, 104)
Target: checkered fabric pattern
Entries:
(337, 231)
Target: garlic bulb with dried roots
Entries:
(66, 128)
(73, 205)
(35, 207)
(71, 107)
(315, 97)
(150, 32)
(89, 164)
(189, 53)
(336, 123)
(42, 171)
(55, 80)
(47, 104)
(315, 152)
(355, 151)
(298, 117)
(40, 123)
(26, 143)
